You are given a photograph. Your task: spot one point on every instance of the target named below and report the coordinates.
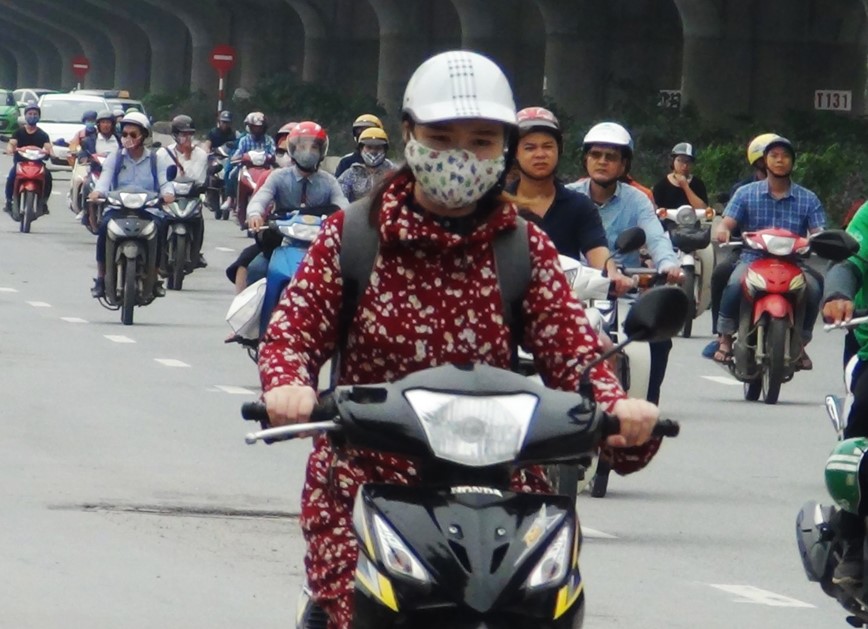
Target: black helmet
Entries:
(32, 106)
(225, 116)
(90, 114)
(781, 141)
(182, 124)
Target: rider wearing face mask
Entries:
(29, 135)
(433, 299)
(360, 179)
(139, 167)
(280, 139)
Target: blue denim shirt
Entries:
(753, 207)
(246, 144)
(134, 172)
(284, 187)
(631, 208)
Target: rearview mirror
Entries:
(834, 244)
(657, 315)
(630, 240)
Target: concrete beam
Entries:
(43, 49)
(68, 46)
(132, 49)
(26, 62)
(316, 41)
(168, 42)
(98, 46)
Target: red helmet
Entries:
(304, 134)
(284, 131)
(540, 119)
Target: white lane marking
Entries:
(224, 249)
(117, 338)
(751, 594)
(171, 362)
(595, 534)
(232, 390)
(73, 320)
(6, 289)
(55, 193)
(723, 380)
(39, 304)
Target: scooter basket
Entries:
(689, 240)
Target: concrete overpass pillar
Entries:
(354, 48)
(574, 63)
(90, 41)
(132, 50)
(718, 56)
(316, 42)
(268, 42)
(168, 41)
(26, 61)
(48, 52)
(8, 69)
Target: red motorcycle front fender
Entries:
(776, 305)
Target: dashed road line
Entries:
(39, 304)
(118, 338)
(224, 249)
(233, 390)
(751, 594)
(73, 319)
(595, 534)
(171, 362)
(6, 289)
(723, 380)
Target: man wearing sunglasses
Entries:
(607, 152)
(133, 166)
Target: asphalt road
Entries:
(130, 499)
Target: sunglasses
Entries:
(608, 156)
(134, 136)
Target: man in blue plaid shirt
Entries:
(776, 202)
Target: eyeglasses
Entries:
(134, 136)
(607, 156)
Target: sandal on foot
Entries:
(723, 356)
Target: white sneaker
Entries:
(79, 216)
(227, 204)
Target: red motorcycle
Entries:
(29, 188)
(768, 344)
(255, 168)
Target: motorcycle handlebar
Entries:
(322, 418)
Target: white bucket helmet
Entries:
(139, 119)
(459, 84)
(609, 133)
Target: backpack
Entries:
(360, 244)
(119, 165)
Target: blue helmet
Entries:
(90, 114)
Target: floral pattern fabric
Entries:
(433, 299)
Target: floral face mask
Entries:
(453, 178)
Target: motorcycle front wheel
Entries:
(28, 211)
(774, 371)
(178, 258)
(128, 272)
(689, 287)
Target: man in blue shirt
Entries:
(140, 167)
(607, 151)
(256, 139)
(774, 202)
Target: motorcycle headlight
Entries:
(554, 564)
(398, 559)
(133, 200)
(182, 188)
(299, 231)
(686, 216)
(476, 431)
(257, 159)
(779, 245)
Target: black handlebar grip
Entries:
(666, 428)
(254, 411)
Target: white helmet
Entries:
(139, 119)
(609, 133)
(459, 84)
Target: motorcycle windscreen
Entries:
(482, 549)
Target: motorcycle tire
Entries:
(179, 261)
(753, 390)
(600, 484)
(129, 299)
(774, 373)
(689, 287)
(567, 482)
(226, 214)
(28, 211)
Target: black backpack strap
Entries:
(360, 242)
(119, 164)
(153, 157)
(512, 263)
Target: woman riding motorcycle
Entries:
(432, 300)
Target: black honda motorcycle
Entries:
(462, 550)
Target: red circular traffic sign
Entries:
(223, 58)
(80, 66)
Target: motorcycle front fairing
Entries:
(132, 233)
(467, 556)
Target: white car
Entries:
(61, 118)
(24, 95)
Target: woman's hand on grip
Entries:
(637, 422)
(289, 404)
